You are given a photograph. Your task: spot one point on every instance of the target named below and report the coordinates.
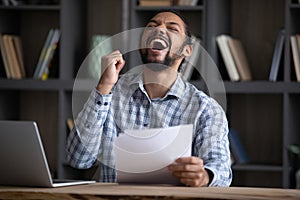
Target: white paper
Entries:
(143, 155)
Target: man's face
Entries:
(163, 40)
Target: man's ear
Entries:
(188, 50)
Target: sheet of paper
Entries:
(143, 155)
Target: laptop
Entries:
(23, 159)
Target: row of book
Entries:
(46, 55)
(234, 58)
(168, 2)
(236, 62)
(12, 55)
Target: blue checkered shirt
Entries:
(103, 117)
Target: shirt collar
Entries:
(176, 90)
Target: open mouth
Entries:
(158, 44)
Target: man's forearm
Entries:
(84, 141)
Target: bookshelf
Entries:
(44, 101)
(263, 112)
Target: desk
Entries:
(115, 191)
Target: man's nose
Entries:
(161, 29)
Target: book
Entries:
(70, 123)
(42, 54)
(296, 55)
(239, 154)
(155, 2)
(49, 54)
(12, 57)
(298, 40)
(5, 58)
(11, 2)
(46, 54)
(186, 2)
(5, 2)
(239, 56)
(100, 46)
(192, 61)
(19, 51)
(277, 55)
(222, 42)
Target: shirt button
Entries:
(98, 102)
(88, 125)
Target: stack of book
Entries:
(234, 57)
(46, 55)
(12, 56)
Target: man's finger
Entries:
(189, 160)
(191, 175)
(186, 168)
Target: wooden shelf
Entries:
(31, 84)
(255, 87)
(180, 8)
(32, 7)
(257, 167)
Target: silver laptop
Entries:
(22, 157)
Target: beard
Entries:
(155, 65)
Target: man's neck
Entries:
(158, 83)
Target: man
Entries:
(154, 97)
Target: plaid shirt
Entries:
(103, 117)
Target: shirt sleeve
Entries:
(212, 144)
(83, 142)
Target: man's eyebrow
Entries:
(170, 23)
(174, 23)
(153, 20)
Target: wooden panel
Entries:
(256, 24)
(258, 121)
(42, 107)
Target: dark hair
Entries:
(183, 18)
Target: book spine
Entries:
(12, 58)
(222, 42)
(5, 58)
(49, 54)
(296, 56)
(19, 53)
(277, 56)
(237, 149)
(42, 54)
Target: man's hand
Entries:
(111, 65)
(190, 171)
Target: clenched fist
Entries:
(111, 65)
